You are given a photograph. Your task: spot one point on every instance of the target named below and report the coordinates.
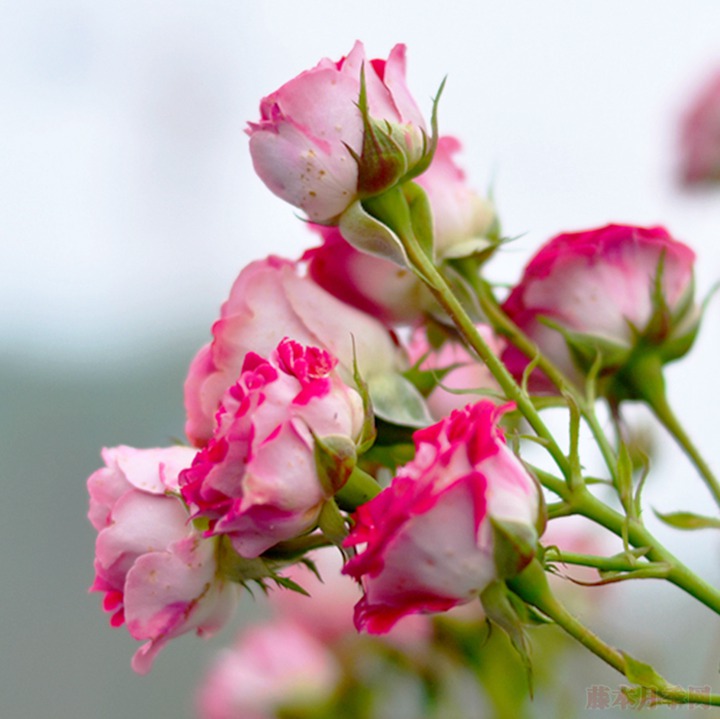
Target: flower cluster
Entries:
(374, 398)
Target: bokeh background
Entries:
(128, 205)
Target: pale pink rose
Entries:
(256, 480)
(301, 147)
(271, 666)
(426, 542)
(268, 301)
(469, 374)
(158, 574)
(461, 218)
(700, 136)
(379, 287)
(600, 285)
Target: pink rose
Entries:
(271, 666)
(302, 147)
(427, 542)
(271, 300)
(466, 374)
(158, 574)
(256, 479)
(462, 220)
(600, 287)
(700, 136)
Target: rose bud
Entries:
(609, 294)
(460, 515)
(313, 146)
(256, 480)
(159, 575)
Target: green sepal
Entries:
(431, 145)
(368, 234)
(258, 570)
(688, 520)
(396, 400)
(368, 432)
(585, 348)
(420, 217)
(332, 523)
(392, 210)
(501, 609)
(335, 458)
(425, 381)
(361, 487)
(382, 162)
(514, 546)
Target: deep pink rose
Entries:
(700, 136)
(426, 542)
(268, 301)
(271, 666)
(599, 285)
(158, 574)
(301, 147)
(460, 373)
(256, 479)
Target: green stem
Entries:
(395, 214)
(531, 586)
(607, 564)
(638, 536)
(662, 410)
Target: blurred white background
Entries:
(129, 205)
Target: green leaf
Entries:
(396, 400)
(688, 520)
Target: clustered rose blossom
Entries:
(256, 479)
(426, 542)
(284, 380)
(601, 286)
(700, 136)
(311, 130)
(159, 575)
